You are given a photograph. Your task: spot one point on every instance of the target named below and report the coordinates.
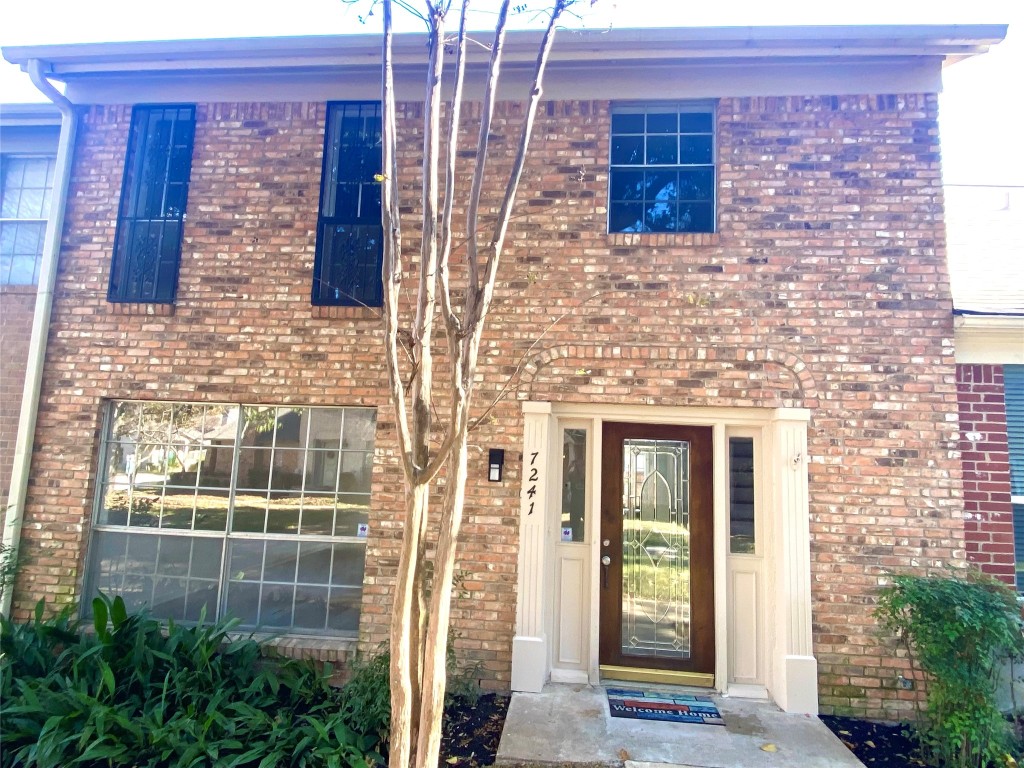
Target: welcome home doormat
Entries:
(659, 705)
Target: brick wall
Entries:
(16, 306)
(824, 288)
(988, 524)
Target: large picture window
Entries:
(147, 246)
(257, 512)
(662, 175)
(349, 237)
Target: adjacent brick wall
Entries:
(17, 304)
(988, 513)
(824, 288)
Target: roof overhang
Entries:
(989, 339)
(29, 115)
(621, 46)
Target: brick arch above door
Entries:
(669, 375)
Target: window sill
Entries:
(326, 648)
(142, 308)
(18, 289)
(345, 313)
(666, 239)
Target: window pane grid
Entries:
(268, 593)
(25, 194)
(662, 171)
(154, 459)
(164, 572)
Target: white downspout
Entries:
(40, 323)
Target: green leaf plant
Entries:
(133, 691)
(958, 630)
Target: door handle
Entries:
(605, 562)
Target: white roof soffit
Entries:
(29, 114)
(332, 52)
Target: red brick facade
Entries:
(825, 287)
(988, 525)
(17, 303)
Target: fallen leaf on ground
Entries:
(769, 748)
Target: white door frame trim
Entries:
(790, 673)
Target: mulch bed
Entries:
(470, 735)
(875, 744)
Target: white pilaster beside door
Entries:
(795, 670)
(530, 651)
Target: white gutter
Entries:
(40, 324)
(319, 52)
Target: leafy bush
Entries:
(141, 694)
(8, 568)
(957, 630)
(368, 694)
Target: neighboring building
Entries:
(28, 148)
(744, 421)
(986, 257)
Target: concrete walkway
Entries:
(569, 725)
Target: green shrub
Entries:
(368, 693)
(958, 630)
(8, 568)
(139, 693)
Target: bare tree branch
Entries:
(497, 244)
(426, 302)
(391, 272)
(526, 356)
(451, 319)
(486, 114)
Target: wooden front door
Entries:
(657, 570)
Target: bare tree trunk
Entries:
(406, 622)
(419, 633)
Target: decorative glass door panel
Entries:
(656, 548)
(656, 553)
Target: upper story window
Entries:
(147, 247)
(349, 236)
(26, 183)
(662, 175)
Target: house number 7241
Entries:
(533, 479)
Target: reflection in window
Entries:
(574, 484)
(662, 176)
(349, 238)
(274, 490)
(26, 185)
(741, 496)
(158, 168)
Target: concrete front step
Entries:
(569, 726)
